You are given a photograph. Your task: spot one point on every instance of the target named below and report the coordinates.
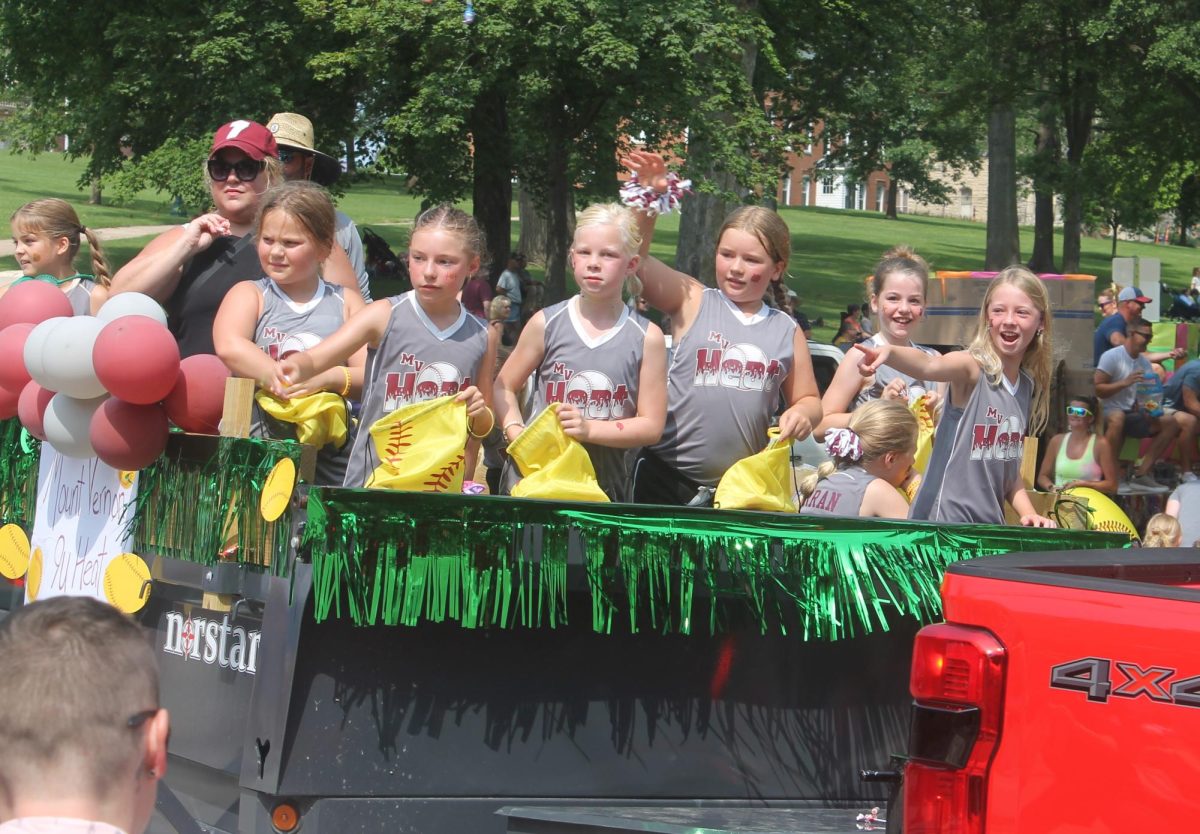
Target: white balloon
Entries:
(67, 358)
(68, 424)
(132, 304)
(35, 347)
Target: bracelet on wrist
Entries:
(504, 429)
(346, 389)
(491, 425)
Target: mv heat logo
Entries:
(592, 392)
(281, 345)
(427, 382)
(211, 641)
(743, 367)
(1001, 439)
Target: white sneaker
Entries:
(1146, 483)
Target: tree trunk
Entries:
(1080, 112)
(1115, 228)
(97, 197)
(532, 243)
(1003, 236)
(492, 186)
(560, 210)
(893, 199)
(1047, 158)
(351, 154)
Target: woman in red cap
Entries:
(189, 269)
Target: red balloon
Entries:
(32, 302)
(8, 403)
(31, 408)
(13, 374)
(136, 359)
(198, 398)
(128, 436)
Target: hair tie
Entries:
(843, 443)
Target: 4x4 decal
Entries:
(1094, 677)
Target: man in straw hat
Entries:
(301, 161)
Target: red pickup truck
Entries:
(1061, 694)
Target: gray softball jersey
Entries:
(80, 297)
(841, 494)
(976, 459)
(723, 387)
(414, 362)
(599, 376)
(884, 374)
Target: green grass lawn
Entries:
(832, 251)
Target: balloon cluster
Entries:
(102, 386)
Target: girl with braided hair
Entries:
(48, 234)
(872, 462)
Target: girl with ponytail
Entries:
(48, 234)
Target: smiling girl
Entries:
(897, 298)
(46, 235)
(422, 344)
(602, 361)
(998, 394)
(733, 356)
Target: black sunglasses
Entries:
(286, 155)
(245, 169)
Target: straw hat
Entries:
(295, 131)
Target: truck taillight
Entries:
(958, 696)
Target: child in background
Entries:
(604, 363)
(897, 297)
(47, 235)
(422, 344)
(1163, 530)
(999, 393)
(872, 460)
(733, 357)
(290, 309)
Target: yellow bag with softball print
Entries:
(759, 482)
(421, 447)
(553, 465)
(320, 419)
(925, 431)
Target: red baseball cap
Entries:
(251, 138)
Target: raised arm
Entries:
(156, 270)
(644, 428)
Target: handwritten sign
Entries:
(83, 507)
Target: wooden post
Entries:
(1029, 463)
(239, 405)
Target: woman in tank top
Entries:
(896, 290)
(1079, 457)
(732, 355)
(871, 462)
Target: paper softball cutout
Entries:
(277, 491)
(125, 581)
(14, 552)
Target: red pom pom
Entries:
(198, 398)
(13, 374)
(128, 436)
(31, 408)
(136, 359)
(32, 302)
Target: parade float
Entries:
(379, 660)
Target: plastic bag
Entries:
(553, 465)
(320, 419)
(759, 482)
(926, 429)
(421, 447)
(1150, 395)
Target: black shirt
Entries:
(205, 280)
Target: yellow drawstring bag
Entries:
(759, 482)
(925, 431)
(320, 419)
(553, 465)
(421, 447)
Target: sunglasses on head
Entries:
(1078, 411)
(245, 169)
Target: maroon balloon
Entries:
(13, 374)
(196, 401)
(128, 436)
(31, 408)
(136, 359)
(8, 403)
(32, 302)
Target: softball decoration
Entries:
(128, 478)
(277, 491)
(125, 581)
(14, 552)
(421, 446)
(33, 579)
(1102, 512)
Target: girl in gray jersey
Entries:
(422, 345)
(733, 359)
(604, 363)
(999, 390)
(897, 298)
(290, 309)
(872, 459)
(48, 234)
